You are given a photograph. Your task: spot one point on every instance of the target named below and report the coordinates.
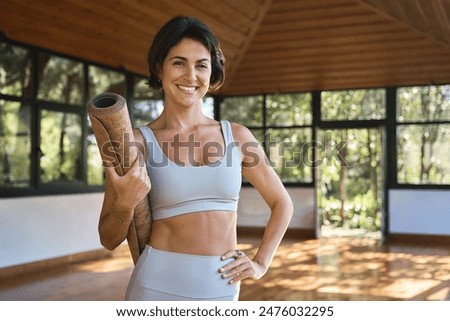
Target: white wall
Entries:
(253, 211)
(419, 212)
(39, 228)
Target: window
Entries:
(15, 142)
(47, 144)
(61, 144)
(148, 103)
(15, 70)
(283, 124)
(423, 131)
(15, 116)
(362, 104)
(61, 80)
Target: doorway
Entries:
(349, 182)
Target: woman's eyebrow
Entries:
(185, 59)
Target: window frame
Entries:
(394, 124)
(265, 127)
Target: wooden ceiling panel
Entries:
(431, 17)
(332, 44)
(270, 45)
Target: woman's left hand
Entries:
(242, 267)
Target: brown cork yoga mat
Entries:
(112, 128)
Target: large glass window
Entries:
(148, 103)
(291, 153)
(289, 110)
(60, 159)
(283, 124)
(362, 104)
(103, 80)
(61, 80)
(247, 110)
(46, 142)
(423, 131)
(15, 70)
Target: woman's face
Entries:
(186, 73)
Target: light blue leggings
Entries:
(169, 276)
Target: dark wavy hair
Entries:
(171, 34)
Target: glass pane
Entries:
(208, 106)
(291, 153)
(349, 182)
(61, 80)
(103, 80)
(15, 70)
(421, 104)
(148, 103)
(145, 111)
(60, 147)
(244, 110)
(94, 162)
(289, 110)
(363, 104)
(423, 154)
(143, 91)
(259, 135)
(15, 144)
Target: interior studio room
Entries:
(348, 99)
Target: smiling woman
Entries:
(192, 178)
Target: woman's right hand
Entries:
(131, 188)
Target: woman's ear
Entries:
(159, 69)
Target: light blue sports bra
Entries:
(178, 189)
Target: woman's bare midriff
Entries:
(199, 233)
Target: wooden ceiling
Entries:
(270, 45)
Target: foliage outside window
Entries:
(362, 104)
(423, 131)
(61, 80)
(247, 110)
(60, 147)
(291, 153)
(15, 144)
(286, 134)
(15, 70)
(289, 110)
(350, 178)
(103, 80)
(43, 124)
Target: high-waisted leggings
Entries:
(169, 276)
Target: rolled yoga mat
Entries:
(112, 128)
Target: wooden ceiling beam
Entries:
(249, 38)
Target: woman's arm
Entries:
(257, 170)
(122, 195)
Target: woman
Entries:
(193, 176)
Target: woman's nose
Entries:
(190, 73)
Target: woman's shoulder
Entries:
(241, 133)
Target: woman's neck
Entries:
(184, 119)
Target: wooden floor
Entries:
(326, 269)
